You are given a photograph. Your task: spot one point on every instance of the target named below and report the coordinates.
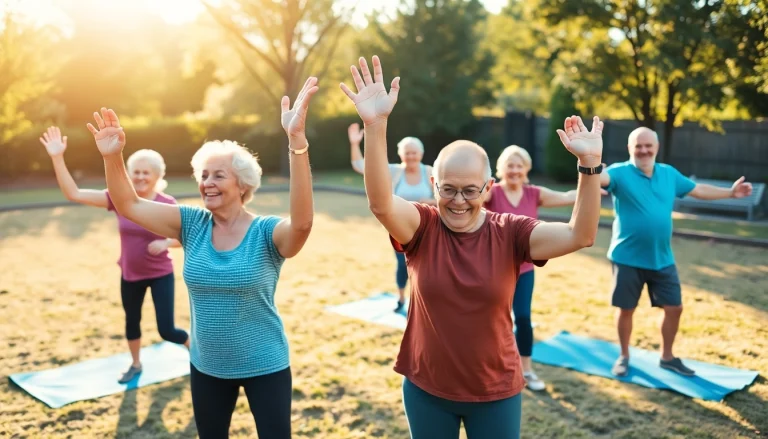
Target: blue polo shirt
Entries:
(642, 228)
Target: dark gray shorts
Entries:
(628, 283)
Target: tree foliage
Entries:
(658, 57)
(435, 47)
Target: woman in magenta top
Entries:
(144, 259)
(514, 195)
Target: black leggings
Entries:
(133, 293)
(214, 399)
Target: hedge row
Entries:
(177, 141)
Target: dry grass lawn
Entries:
(59, 303)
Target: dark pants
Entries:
(628, 282)
(402, 270)
(162, 295)
(521, 306)
(269, 396)
(430, 416)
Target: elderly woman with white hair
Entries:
(144, 260)
(410, 181)
(231, 268)
(513, 194)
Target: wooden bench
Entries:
(746, 204)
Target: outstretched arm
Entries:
(160, 218)
(374, 104)
(551, 240)
(355, 135)
(739, 189)
(55, 145)
(291, 233)
(550, 198)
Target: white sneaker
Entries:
(533, 382)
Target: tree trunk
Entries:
(669, 124)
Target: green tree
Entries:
(26, 51)
(560, 163)
(657, 57)
(282, 43)
(435, 47)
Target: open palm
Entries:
(53, 142)
(110, 137)
(355, 134)
(294, 120)
(372, 101)
(581, 142)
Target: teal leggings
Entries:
(432, 417)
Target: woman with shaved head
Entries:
(458, 356)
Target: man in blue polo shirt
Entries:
(643, 194)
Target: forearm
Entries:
(119, 184)
(64, 178)
(378, 182)
(301, 202)
(586, 210)
(709, 192)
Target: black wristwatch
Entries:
(590, 171)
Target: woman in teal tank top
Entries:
(410, 181)
(232, 262)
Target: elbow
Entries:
(303, 227)
(589, 241)
(378, 210)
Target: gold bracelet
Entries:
(299, 151)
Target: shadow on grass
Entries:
(153, 426)
(581, 405)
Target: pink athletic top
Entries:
(135, 260)
(527, 206)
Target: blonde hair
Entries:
(155, 161)
(244, 164)
(508, 153)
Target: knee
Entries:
(626, 313)
(675, 310)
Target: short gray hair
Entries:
(409, 141)
(155, 161)
(244, 164)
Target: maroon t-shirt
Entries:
(528, 206)
(458, 342)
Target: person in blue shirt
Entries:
(231, 266)
(643, 194)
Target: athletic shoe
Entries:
(676, 365)
(533, 382)
(130, 374)
(400, 307)
(620, 367)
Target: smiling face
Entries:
(515, 171)
(643, 146)
(411, 155)
(144, 177)
(218, 184)
(462, 173)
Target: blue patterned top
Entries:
(236, 330)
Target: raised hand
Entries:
(294, 119)
(157, 246)
(372, 101)
(355, 134)
(584, 144)
(110, 137)
(740, 189)
(53, 142)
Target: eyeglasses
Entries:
(470, 193)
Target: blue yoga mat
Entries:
(596, 357)
(98, 377)
(379, 309)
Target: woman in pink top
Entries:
(144, 259)
(514, 195)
